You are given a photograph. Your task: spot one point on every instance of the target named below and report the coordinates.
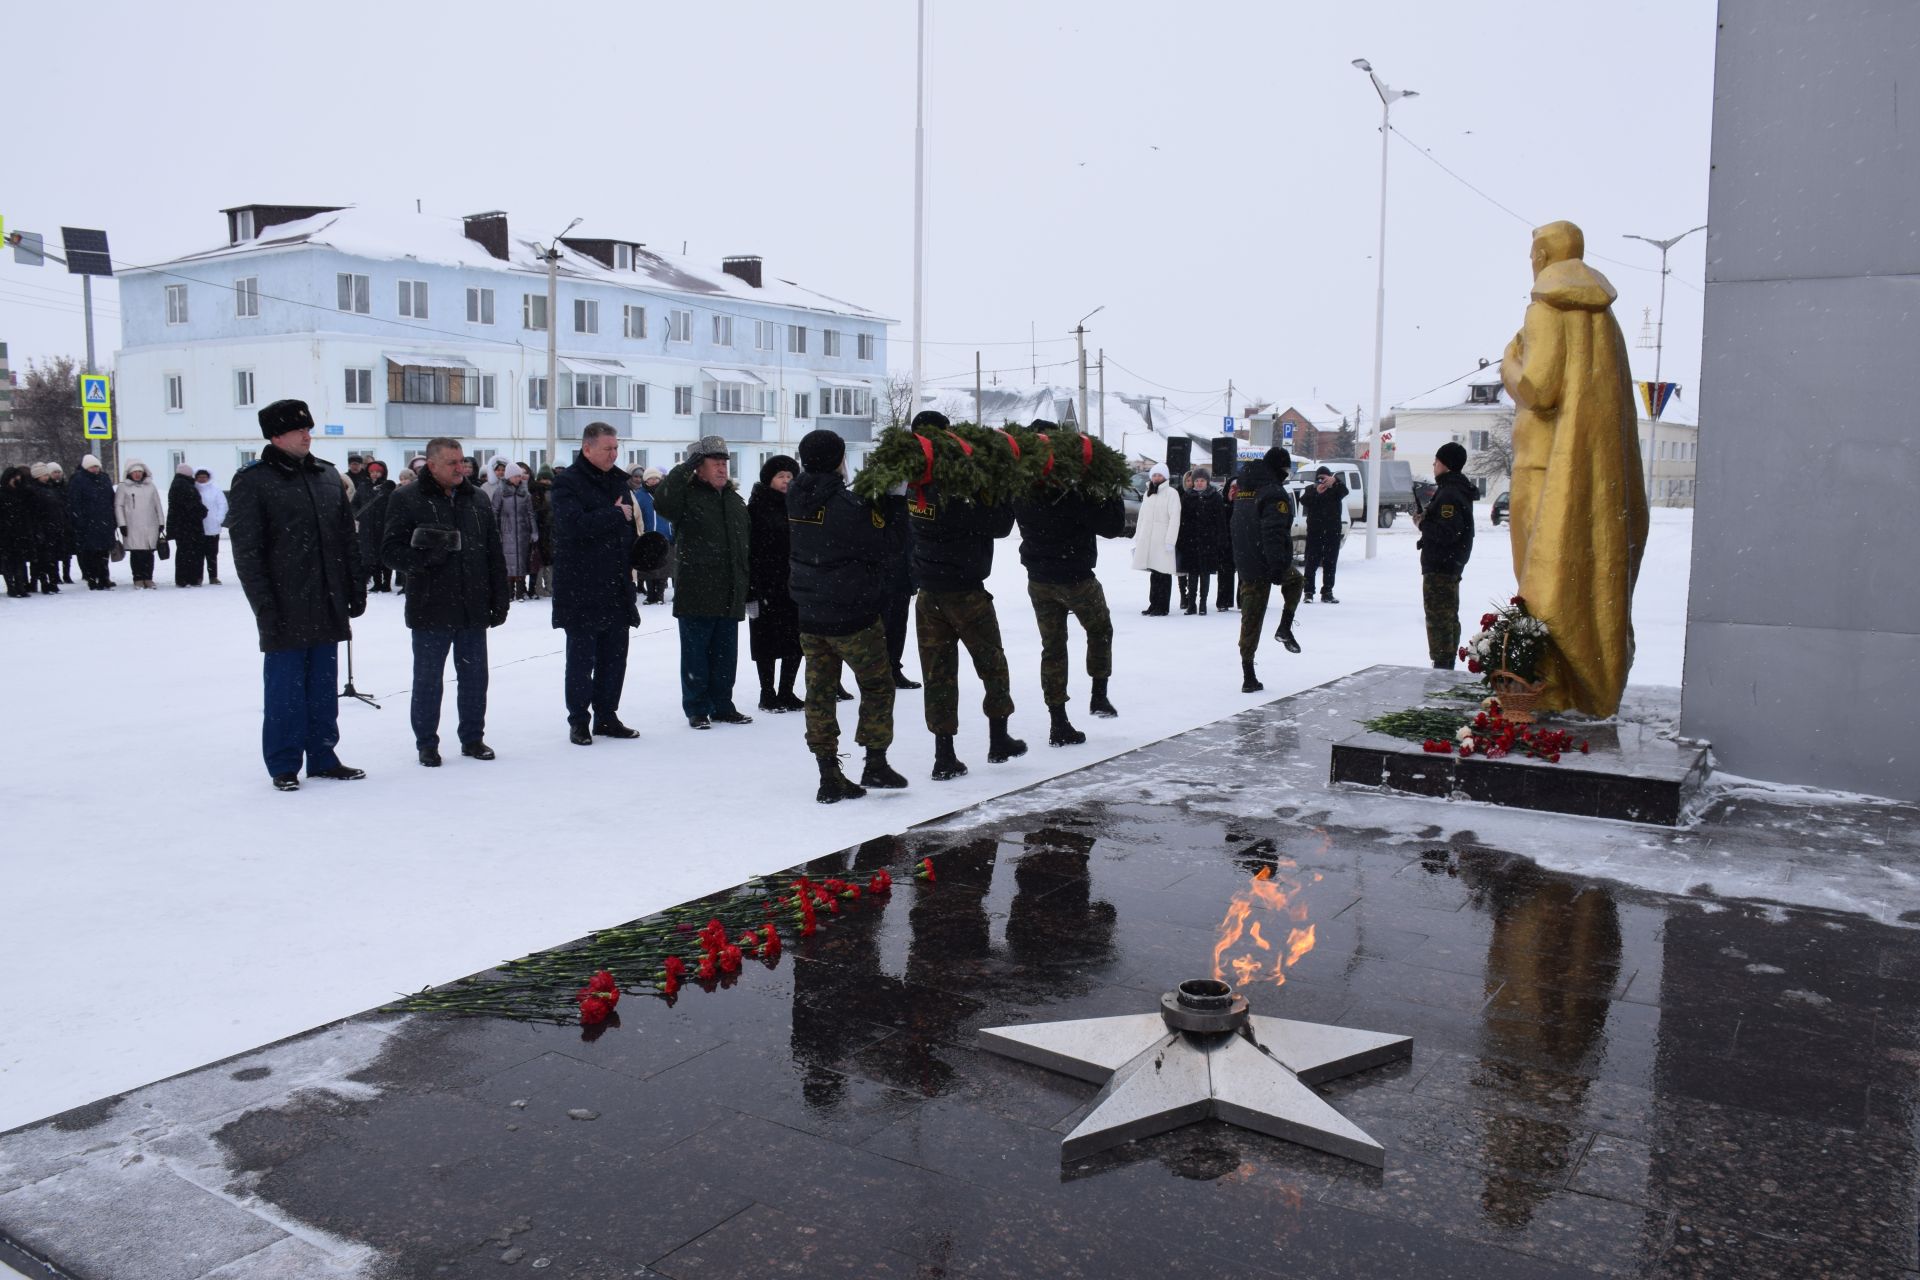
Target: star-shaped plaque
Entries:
(1157, 1076)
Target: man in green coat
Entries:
(710, 526)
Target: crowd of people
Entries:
(816, 572)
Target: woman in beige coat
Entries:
(137, 510)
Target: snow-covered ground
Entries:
(165, 907)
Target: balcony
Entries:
(424, 421)
(852, 430)
(574, 421)
(734, 426)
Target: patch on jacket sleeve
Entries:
(879, 521)
(1446, 511)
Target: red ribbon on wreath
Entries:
(926, 477)
(965, 448)
(1048, 469)
(1012, 443)
(1086, 450)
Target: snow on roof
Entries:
(425, 237)
(1126, 425)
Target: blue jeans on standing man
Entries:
(302, 709)
(469, 645)
(709, 657)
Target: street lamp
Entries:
(1388, 96)
(1080, 332)
(551, 256)
(1659, 337)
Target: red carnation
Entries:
(772, 949)
(807, 926)
(706, 970)
(1473, 666)
(1463, 648)
(926, 870)
(729, 959)
(1486, 620)
(881, 882)
(593, 1011)
(603, 985)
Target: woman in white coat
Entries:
(1153, 539)
(137, 510)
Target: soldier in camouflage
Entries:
(1263, 556)
(1058, 529)
(841, 545)
(1446, 544)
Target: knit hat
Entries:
(775, 465)
(515, 469)
(375, 462)
(707, 447)
(417, 465)
(57, 471)
(1279, 461)
(1323, 471)
(40, 471)
(822, 450)
(931, 418)
(183, 470)
(1042, 425)
(1453, 454)
(283, 416)
(1159, 471)
(88, 461)
(652, 474)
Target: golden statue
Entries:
(1579, 511)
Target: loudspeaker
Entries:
(1226, 456)
(1179, 456)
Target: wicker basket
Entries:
(1518, 699)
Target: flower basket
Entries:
(1518, 698)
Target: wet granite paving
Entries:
(1605, 1080)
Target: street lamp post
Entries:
(551, 256)
(1659, 337)
(1388, 96)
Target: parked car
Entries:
(1131, 501)
(1500, 505)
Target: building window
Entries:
(413, 299)
(623, 257)
(479, 306)
(1478, 440)
(360, 386)
(735, 397)
(242, 388)
(633, 322)
(533, 311)
(586, 315)
(723, 331)
(431, 384)
(247, 458)
(829, 342)
(243, 225)
(1484, 393)
(246, 296)
(802, 405)
(176, 304)
(355, 293)
(765, 334)
(175, 457)
(636, 458)
(595, 390)
(679, 326)
(683, 402)
(486, 391)
(863, 345)
(638, 397)
(537, 393)
(846, 402)
(176, 393)
(536, 459)
(797, 339)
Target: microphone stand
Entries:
(350, 691)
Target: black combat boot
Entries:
(835, 786)
(1001, 746)
(1285, 634)
(878, 773)
(945, 764)
(1063, 734)
(1249, 683)
(1097, 700)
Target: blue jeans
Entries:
(709, 655)
(469, 645)
(596, 672)
(302, 709)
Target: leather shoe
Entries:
(614, 729)
(339, 773)
(699, 722)
(901, 680)
(732, 717)
(286, 782)
(430, 757)
(579, 736)
(477, 750)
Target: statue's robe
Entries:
(1578, 515)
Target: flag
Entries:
(1655, 396)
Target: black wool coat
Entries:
(469, 587)
(843, 550)
(776, 632)
(1197, 548)
(18, 514)
(186, 510)
(1326, 512)
(1059, 532)
(1262, 526)
(90, 507)
(593, 546)
(295, 551)
(53, 537)
(953, 541)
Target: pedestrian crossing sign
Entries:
(96, 406)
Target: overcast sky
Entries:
(1207, 173)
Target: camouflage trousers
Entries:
(945, 620)
(1441, 595)
(1052, 602)
(1253, 608)
(866, 652)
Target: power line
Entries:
(1183, 391)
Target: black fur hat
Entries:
(283, 416)
(1279, 461)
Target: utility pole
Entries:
(1103, 394)
(1229, 397)
(1659, 337)
(1388, 96)
(1080, 334)
(979, 416)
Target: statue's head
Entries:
(1556, 242)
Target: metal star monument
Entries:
(1204, 1055)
